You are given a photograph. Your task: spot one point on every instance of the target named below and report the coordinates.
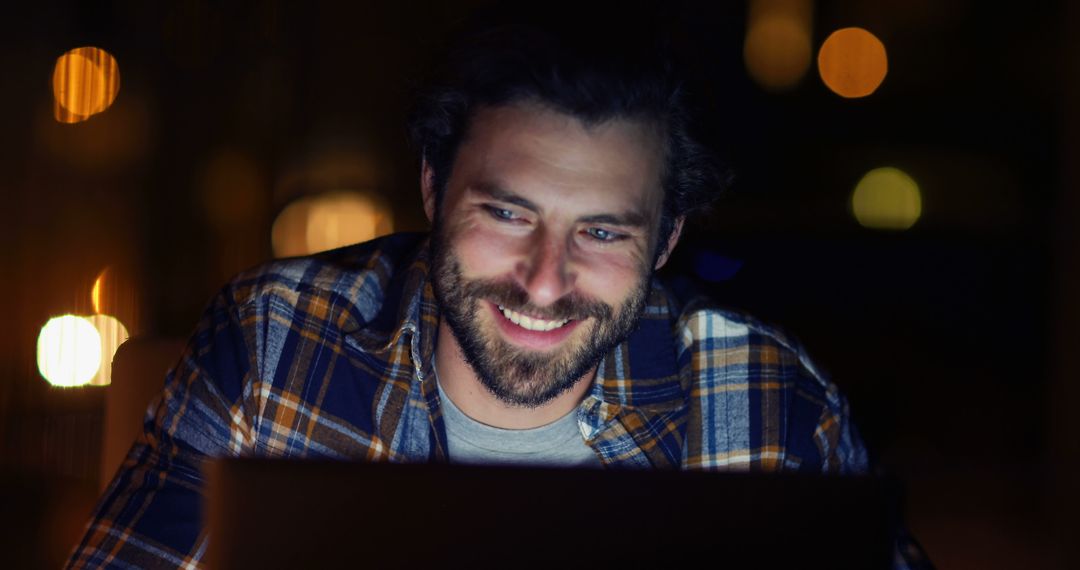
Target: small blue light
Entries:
(713, 267)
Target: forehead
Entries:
(549, 156)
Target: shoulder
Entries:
(728, 343)
(754, 384)
(274, 336)
(354, 282)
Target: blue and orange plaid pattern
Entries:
(330, 356)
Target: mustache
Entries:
(510, 295)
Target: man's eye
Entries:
(601, 234)
(501, 213)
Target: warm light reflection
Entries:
(85, 82)
(852, 62)
(113, 334)
(887, 199)
(777, 48)
(327, 221)
(68, 351)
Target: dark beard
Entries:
(514, 375)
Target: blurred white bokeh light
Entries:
(68, 351)
(328, 221)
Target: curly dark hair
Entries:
(567, 63)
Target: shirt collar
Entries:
(408, 313)
(642, 373)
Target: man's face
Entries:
(543, 245)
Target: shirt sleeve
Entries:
(151, 513)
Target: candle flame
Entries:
(95, 293)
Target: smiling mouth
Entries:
(531, 323)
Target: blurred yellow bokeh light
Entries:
(68, 351)
(777, 49)
(887, 199)
(85, 82)
(328, 221)
(852, 62)
(113, 333)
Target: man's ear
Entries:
(427, 189)
(672, 240)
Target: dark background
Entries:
(954, 340)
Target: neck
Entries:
(463, 386)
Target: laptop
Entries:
(267, 513)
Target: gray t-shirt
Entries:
(558, 444)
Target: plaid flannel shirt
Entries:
(330, 356)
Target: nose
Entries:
(545, 270)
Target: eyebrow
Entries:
(496, 193)
(629, 218)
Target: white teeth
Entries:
(530, 323)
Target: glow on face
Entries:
(544, 244)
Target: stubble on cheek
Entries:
(518, 376)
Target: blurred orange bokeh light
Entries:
(777, 49)
(852, 62)
(85, 82)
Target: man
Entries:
(557, 172)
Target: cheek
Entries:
(484, 253)
(610, 278)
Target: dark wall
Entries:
(951, 339)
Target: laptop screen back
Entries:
(289, 514)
